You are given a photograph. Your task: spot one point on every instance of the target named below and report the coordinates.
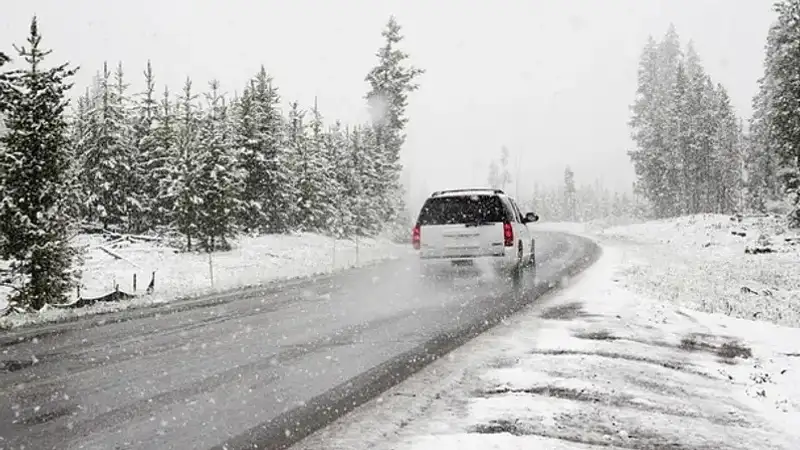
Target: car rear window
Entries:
(462, 210)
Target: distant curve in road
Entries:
(261, 367)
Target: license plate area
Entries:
(463, 263)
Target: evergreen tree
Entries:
(217, 182)
(302, 169)
(183, 177)
(649, 130)
(339, 174)
(161, 164)
(698, 151)
(681, 145)
(688, 145)
(109, 158)
(371, 162)
(132, 207)
(727, 158)
(762, 157)
(505, 175)
(618, 205)
(278, 191)
(312, 169)
(80, 140)
(267, 203)
(570, 201)
(781, 92)
(150, 161)
(35, 168)
(494, 178)
(391, 80)
(253, 218)
(360, 187)
(4, 83)
(4, 105)
(499, 175)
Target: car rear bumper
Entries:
(499, 262)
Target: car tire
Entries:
(517, 270)
(532, 260)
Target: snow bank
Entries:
(253, 261)
(743, 267)
(595, 366)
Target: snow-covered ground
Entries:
(623, 358)
(744, 268)
(253, 261)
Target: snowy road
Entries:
(263, 366)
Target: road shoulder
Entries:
(591, 367)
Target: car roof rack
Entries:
(453, 191)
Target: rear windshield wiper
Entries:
(477, 223)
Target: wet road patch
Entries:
(569, 311)
(723, 347)
(598, 335)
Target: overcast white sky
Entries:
(551, 79)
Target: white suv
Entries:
(465, 226)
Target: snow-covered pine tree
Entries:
(671, 90)
(4, 105)
(4, 84)
(279, 192)
(133, 203)
(365, 206)
(339, 175)
(163, 162)
(618, 206)
(243, 111)
(763, 185)
(391, 80)
(675, 154)
(109, 159)
(80, 140)
(306, 170)
(727, 157)
(267, 200)
(570, 199)
(648, 124)
(670, 56)
(535, 202)
(782, 69)
(150, 162)
(555, 202)
(372, 164)
(494, 178)
(499, 175)
(675, 125)
(316, 184)
(505, 174)
(217, 184)
(183, 176)
(34, 166)
(698, 130)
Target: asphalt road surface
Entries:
(257, 368)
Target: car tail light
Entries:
(508, 234)
(415, 237)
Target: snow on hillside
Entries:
(743, 267)
(253, 261)
(602, 364)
